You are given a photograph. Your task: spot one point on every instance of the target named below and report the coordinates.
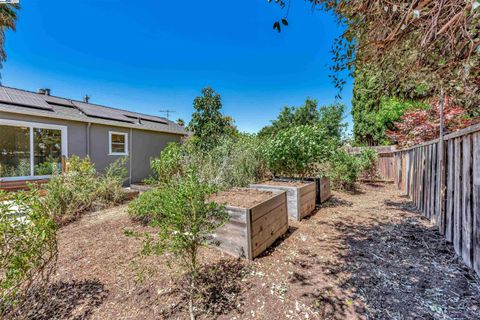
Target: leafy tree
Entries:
(184, 223)
(181, 122)
(292, 116)
(168, 165)
(330, 120)
(307, 114)
(298, 151)
(371, 123)
(420, 125)
(427, 45)
(8, 18)
(208, 124)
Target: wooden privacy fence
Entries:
(449, 196)
(385, 164)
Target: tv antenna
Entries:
(167, 112)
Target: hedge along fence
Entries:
(448, 194)
(385, 163)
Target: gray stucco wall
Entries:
(99, 145)
(147, 144)
(142, 144)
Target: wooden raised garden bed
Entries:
(257, 219)
(323, 190)
(301, 195)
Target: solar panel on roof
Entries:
(4, 96)
(97, 111)
(24, 98)
(30, 101)
(57, 100)
(146, 117)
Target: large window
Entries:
(15, 151)
(47, 147)
(118, 143)
(30, 150)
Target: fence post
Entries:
(441, 170)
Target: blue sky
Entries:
(151, 55)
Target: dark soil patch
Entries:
(367, 255)
(63, 300)
(287, 183)
(241, 197)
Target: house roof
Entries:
(37, 104)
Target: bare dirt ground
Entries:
(367, 255)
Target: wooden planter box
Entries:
(322, 186)
(301, 196)
(253, 228)
(324, 192)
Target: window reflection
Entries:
(47, 151)
(118, 143)
(14, 151)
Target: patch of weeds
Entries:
(140, 272)
(279, 290)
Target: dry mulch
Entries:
(241, 197)
(286, 183)
(367, 255)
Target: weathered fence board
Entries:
(466, 204)
(447, 193)
(457, 217)
(476, 202)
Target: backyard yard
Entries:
(364, 255)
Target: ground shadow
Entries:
(62, 300)
(220, 290)
(375, 184)
(335, 202)
(406, 206)
(327, 305)
(290, 231)
(402, 270)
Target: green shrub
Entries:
(80, 188)
(367, 161)
(185, 225)
(109, 189)
(343, 170)
(29, 246)
(168, 164)
(233, 162)
(299, 151)
(73, 192)
(146, 206)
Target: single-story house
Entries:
(38, 129)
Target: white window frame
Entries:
(110, 153)
(31, 125)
